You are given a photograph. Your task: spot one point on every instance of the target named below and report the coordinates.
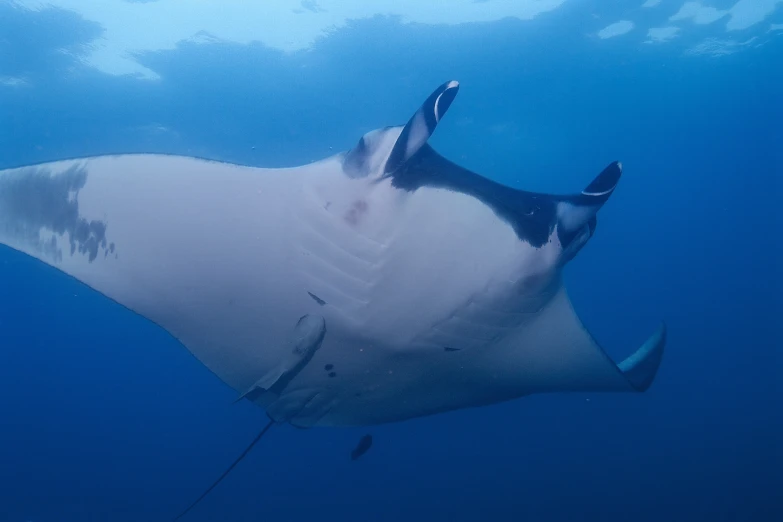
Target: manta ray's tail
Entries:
(228, 470)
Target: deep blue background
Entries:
(103, 416)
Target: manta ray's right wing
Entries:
(557, 353)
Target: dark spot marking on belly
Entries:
(450, 349)
(332, 374)
(316, 298)
(356, 212)
(328, 367)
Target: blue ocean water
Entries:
(105, 417)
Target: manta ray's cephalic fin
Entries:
(421, 126)
(576, 215)
(574, 212)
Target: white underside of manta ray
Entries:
(373, 286)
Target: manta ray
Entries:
(376, 285)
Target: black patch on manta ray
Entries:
(531, 215)
(33, 201)
(450, 349)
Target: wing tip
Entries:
(641, 368)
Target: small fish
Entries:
(362, 447)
